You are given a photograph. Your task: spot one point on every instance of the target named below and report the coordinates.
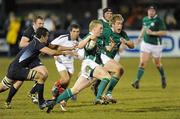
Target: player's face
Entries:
(107, 15)
(117, 26)
(98, 29)
(151, 12)
(45, 39)
(74, 33)
(39, 23)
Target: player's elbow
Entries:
(162, 33)
(131, 45)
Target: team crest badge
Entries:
(152, 24)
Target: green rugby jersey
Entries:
(94, 53)
(154, 24)
(105, 23)
(107, 33)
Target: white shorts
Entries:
(69, 67)
(105, 58)
(86, 68)
(117, 57)
(154, 50)
(80, 53)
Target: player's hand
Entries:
(123, 41)
(75, 46)
(112, 43)
(92, 37)
(137, 41)
(149, 31)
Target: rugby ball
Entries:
(90, 45)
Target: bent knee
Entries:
(107, 75)
(6, 83)
(45, 74)
(121, 71)
(142, 64)
(75, 90)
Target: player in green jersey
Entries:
(90, 69)
(114, 38)
(107, 14)
(153, 28)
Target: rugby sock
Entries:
(34, 89)
(140, 73)
(101, 87)
(112, 84)
(64, 96)
(95, 86)
(40, 90)
(12, 92)
(161, 71)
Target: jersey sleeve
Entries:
(39, 45)
(28, 33)
(125, 36)
(58, 41)
(143, 21)
(106, 35)
(162, 25)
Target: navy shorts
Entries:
(17, 73)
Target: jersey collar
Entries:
(104, 20)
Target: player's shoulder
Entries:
(29, 29)
(123, 33)
(145, 18)
(101, 20)
(159, 19)
(63, 37)
(86, 36)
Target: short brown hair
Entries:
(116, 17)
(38, 17)
(93, 24)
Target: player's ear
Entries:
(42, 38)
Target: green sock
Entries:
(64, 96)
(140, 73)
(112, 84)
(161, 71)
(101, 87)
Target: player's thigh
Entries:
(100, 73)
(42, 69)
(144, 57)
(6, 83)
(64, 75)
(112, 66)
(35, 75)
(80, 84)
(157, 61)
(87, 68)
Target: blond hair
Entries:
(93, 24)
(116, 17)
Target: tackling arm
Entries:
(24, 42)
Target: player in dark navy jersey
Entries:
(36, 64)
(19, 68)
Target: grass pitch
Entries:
(149, 102)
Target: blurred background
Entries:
(59, 14)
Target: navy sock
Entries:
(40, 89)
(11, 94)
(34, 89)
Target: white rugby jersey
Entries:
(64, 40)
